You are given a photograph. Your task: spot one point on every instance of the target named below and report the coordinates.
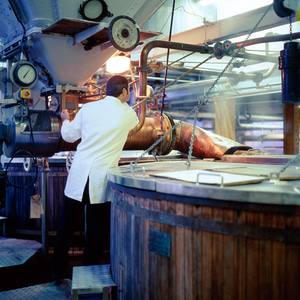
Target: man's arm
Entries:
(70, 131)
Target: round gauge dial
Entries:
(124, 33)
(24, 74)
(93, 10)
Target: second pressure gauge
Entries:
(24, 74)
(93, 10)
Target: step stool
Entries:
(91, 280)
(2, 220)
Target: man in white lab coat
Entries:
(103, 127)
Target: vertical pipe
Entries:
(2, 187)
(44, 187)
(291, 128)
(8, 84)
(144, 70)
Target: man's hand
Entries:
(65, 115)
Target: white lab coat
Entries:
(103, 127)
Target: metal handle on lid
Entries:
(219, 175)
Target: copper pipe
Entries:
(144, 69)
(152, 130)
(142, 107)
(269, 39)
(206, 144)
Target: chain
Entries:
(293, 161)
(217, 79)
(172, 82)
(177, 124)
(165, 135)
(201, 101)
(161, 68)
(192, 138)
(297, 158)
(291, 29)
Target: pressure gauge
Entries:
(124, 33)
(93, 10)
(24, 74)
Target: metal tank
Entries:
(38, 133)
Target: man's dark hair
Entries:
(115, 85)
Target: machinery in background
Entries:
(52, 48)
(56, 50)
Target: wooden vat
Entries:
(168, 246)
(17, 206)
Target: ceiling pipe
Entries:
(269, 39)
(144, 68)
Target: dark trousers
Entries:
(97, 232)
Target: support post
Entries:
(291, 128)
(44, 186)
(225, 119)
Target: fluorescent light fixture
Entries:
(118, 64)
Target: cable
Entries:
(23, 26)
(166, 68)
(36, 170)
(29, 154)
(204, 100)
(167, 59)
(193, 14)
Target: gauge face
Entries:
(123, 33)
(93, 9)
(24, 74)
